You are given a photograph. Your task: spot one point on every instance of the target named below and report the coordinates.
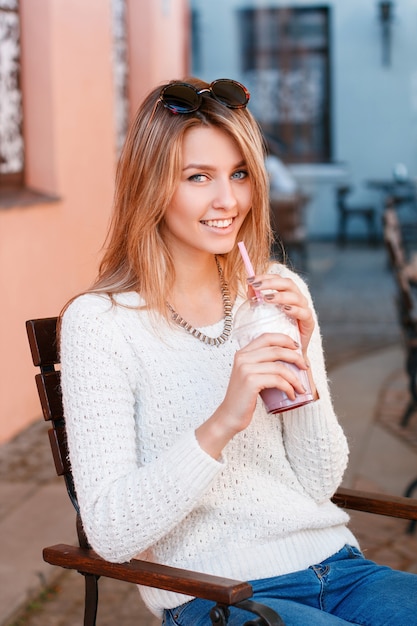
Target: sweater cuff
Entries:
(191, 465)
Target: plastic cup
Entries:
(255, 317)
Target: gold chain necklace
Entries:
(227, 309)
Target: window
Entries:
(286, 67)
(11, 138)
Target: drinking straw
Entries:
(248, 266)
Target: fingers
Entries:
(278, 374)
(270, 347)
(295, 305)
(269, 361)
(285, 293)
(282, 291)
(272, 359)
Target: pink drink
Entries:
(276, 401)
(255, 317)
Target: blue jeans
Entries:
(344, 589)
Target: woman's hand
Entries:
(261, 365)
(285, 292)
(257, 366)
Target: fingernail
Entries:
(257, 284)
(297, 345)
(269, 296)
(250, 279)
(287, 307)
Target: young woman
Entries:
(174, 455)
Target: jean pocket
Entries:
(179, 616)
(354, 552)
(169, 618)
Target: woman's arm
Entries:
(125, 506)
(314, 440)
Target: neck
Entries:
(208, 309)
(196, 294)
(192, 274)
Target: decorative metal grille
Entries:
(285, 58)
(11, 139)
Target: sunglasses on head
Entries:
(185, 98)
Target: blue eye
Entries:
(240, 175)
(198, 178)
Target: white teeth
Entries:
(218, 223)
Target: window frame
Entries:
(256, 54)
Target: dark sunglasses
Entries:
(185, 98)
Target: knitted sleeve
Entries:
(315, 444)
(125, 507)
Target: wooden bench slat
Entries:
(377, 503)
(39, 331)
(218, 589)
(58, 443)
(49, 390)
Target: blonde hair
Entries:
(136, 257)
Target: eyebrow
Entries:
(202, 166)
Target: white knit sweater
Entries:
(133, 399)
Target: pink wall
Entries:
(49, 251)
(158, 32)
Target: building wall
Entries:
(374, 106)
(49, 250)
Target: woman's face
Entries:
(213, 196)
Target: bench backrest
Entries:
(43, 341)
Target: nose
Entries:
(225, 197)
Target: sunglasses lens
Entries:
(230, 93)
(180, 98)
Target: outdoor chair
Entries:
(347, 211)
(404, 270)
(42, 335)
(407, 311)
(288, 225)
(401, 256)
(393, 239)
(405, 275)
(406, 301)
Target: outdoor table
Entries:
(402, 192)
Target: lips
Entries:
(218, 223)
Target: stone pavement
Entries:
(353, 292)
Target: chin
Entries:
(223, 249)
(225, 246)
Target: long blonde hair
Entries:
(136, 257)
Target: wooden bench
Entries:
(42, 335)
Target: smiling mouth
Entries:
(218, 223)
